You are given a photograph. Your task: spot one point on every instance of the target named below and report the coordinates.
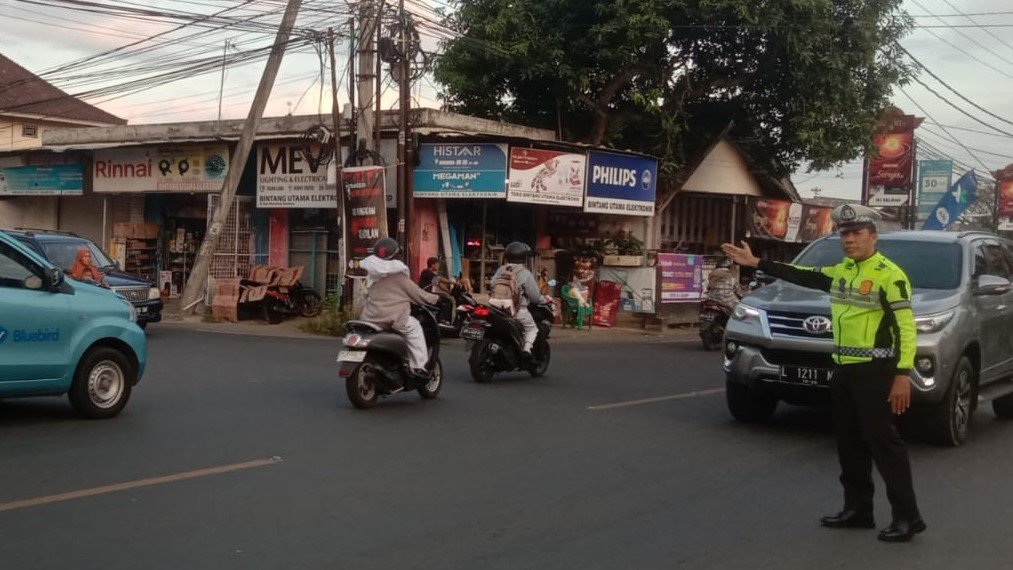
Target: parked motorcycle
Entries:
(495, 340)
(374, 362)
(292, 300)
(713, 321)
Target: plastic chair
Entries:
(573, 312)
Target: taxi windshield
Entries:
(928, 265)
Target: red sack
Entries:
(607, 296)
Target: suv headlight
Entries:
(743, 312)
(934, 323)
(154, 293)
(133, 311)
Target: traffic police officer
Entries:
(874, 337)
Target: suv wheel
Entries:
(102, 383)
(748, 405)
(950, 421)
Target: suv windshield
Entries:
(63, 253)
(929, 265)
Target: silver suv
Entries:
(778, 343)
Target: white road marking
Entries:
(683, 396)
(136, 484)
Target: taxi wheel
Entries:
(102, 383)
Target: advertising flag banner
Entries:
(681, 277)
(1004, 181)
(788, 221)
(934, 179)
(539, 176)
(190, 168)
(285, 179)
(960, 196)
(620, 184)
(48, 176)
(365, 213)
(890, 173)
(477, 170)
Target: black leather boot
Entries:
(849, 518)
(902, 531)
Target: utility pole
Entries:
(202, 265)
(404, 101)
(369, 19)
(336, 120)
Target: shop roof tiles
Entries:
(24, 93)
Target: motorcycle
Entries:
(495, 340)
(453, 317)
(713, 320)
(374, 361)
(280, 301)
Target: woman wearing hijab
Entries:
(83, 270)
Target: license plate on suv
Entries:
(806, 376)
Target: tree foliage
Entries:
(804, 80)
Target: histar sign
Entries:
(620, 184)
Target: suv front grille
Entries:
(133, 294)
(790, 324)
(781, 357)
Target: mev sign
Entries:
(621, 184)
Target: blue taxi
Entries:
(61, 336)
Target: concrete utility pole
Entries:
(336, 120)
(369, 18)
(199, 273)
(404, 198)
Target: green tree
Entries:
(805, 80)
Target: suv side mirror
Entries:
(991, 285)
(53, 277)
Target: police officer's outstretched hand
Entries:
(741, 255)
(900, 394)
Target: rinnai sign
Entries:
(285, 179)
(620, 184)
(195, 168)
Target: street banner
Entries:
(189, 168)
(788, 221)
(49, 176)
(681, 277)
(889, 175)
(461, 171)
(1004, 189)
(960, 196)
(539, 176)
(620, 184)
(934, 179)
(365, 213)
(285, 179)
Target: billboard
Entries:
(190, 168)
(540, 176)
(620, 184)
(19, 179)
(788, 221)
(681, 277)
(477, 170)
(959, 197)
(1004, 190)
(365, 213)
(285, 179)
(889, 174)
(934, 179)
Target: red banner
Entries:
(893, 164)
(789, 221)
(365, 213)
(1004, 181)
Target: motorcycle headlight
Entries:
(133, 311)
(743, 312)
(934, 323)
(154, 293)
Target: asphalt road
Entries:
(519, 473)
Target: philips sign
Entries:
(621, 184)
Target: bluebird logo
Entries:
(3, 335)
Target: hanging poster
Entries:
(539, 176)
(477, 170)
(890, 173)
(190, 168)
(286, 179)
(621, 184)
(788, 221)
(365, 213)
(681, 277)
(49, 176)
(1004, 181)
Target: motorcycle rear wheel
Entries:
(311, 305)
(435, 384)
(481, 369)
(542, 355)
(361, 388)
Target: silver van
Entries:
(778, 343)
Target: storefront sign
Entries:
(56, 179)
(285, 179)
(461, 171)
(681, 277)
(161, 169)
(890, 174)
(365, 213)
(788, 221)
(620, 184)
(934, 178)
(1004, 181)
(551, 177)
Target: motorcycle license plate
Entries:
(707, 317)
(351, 356)
(473, 332)
(806, 376)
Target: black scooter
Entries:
(374, 361)
(713, 321)
(495, 340)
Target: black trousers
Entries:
(866, 434)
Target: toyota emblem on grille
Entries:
(817, 325)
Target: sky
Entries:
(971, 50)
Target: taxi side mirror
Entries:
(53, 278)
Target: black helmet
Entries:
(517, 252)
(386, 248)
